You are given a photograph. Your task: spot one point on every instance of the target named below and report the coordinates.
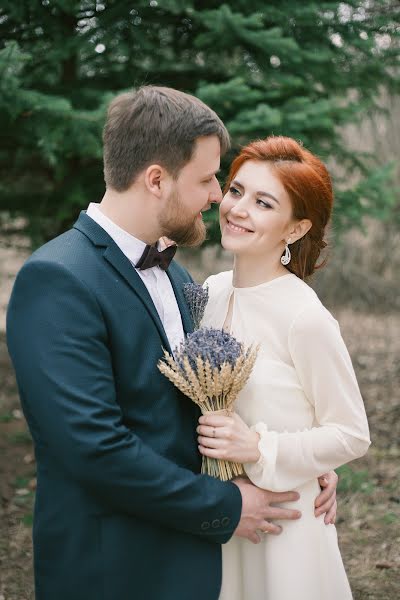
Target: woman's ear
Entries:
(300, 229)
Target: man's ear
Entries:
(153, 179)
(299, 230)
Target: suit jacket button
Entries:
(216, 523)
(205, 525)
(225, 521)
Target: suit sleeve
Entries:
(340, 432)
(58, 342)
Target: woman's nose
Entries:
(239, 209)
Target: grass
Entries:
(20, 437)
(354, 480)
(6, 417)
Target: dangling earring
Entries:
(285, 259)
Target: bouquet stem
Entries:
(221, 469)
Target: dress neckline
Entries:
(264, 284)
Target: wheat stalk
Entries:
(191, 375)
(209, 378)
(242, 373)
(211, 388)
(178, 380)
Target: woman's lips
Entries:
(237, 228)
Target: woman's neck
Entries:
(248, 271)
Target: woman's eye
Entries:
(264, 204)
(234, 191)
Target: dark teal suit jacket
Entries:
(121, 510)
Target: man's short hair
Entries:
(155, 125)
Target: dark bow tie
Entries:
(152, 257)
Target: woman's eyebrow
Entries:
(268, 195)
(260, 193)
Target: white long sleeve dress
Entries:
(303, 399)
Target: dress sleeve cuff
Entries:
(261, 472)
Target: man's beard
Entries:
(177, 226)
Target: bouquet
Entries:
(210, 367)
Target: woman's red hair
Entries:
(309, 186)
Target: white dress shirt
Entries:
(155, 279)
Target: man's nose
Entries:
(216, 194)
(215, 198)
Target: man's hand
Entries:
(326, 500)
(257, 510)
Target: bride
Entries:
(301, 412)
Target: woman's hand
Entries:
(225, 435)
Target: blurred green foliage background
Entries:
(303, 69)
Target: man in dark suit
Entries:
(121, 510)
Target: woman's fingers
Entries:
(214, 420)
(212, 432)
(212, 452)
(210, 442)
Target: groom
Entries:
(121, 510)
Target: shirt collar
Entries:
(132, 247)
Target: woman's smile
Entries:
(237, 228)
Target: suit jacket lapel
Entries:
(177, 285)
(115, 257)
(119, 261)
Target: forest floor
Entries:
(369, 490)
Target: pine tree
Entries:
(302, 69)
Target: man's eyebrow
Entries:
(260, 193)
(213, 173)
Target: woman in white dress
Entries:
(301, 412)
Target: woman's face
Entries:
(256, 212)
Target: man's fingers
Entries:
(254, 538)
(283, 513)
(324, 508)
(326, 504)
(326, 495)
(277, 497)
(329, 482)
(323, 481)
(271, 528)
(330, 516)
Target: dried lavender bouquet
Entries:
(210, 367)
(196, 296)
